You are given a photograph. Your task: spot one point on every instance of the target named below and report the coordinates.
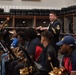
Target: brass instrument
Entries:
(7, 50)
(4, 23)
(18, 53)
(27, 70)
(14, 53)
(56, 71)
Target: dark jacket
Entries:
(49, 51)
(55, 29)
(35, 48)
(5, 35)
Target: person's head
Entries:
(66, 44)
(26, 34)
(31, 34)
(52, 16)
(46, 37)
(21, 36)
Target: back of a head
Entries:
(48, 35)
(26, 34)
(21, 34)
(32, 33)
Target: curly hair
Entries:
(31, 33)
(21, 34)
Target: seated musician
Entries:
(14, 40)
(22, 41)
(4, 33)
(48, 55)
(67, 48)
(5, 56)
(34, 48)
(6, 39)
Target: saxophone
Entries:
(18, 53)
(14, 53)
(31, 68)
(26, 70)
(55, 70)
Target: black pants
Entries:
(41, 73)
(21, 65)
(12, 66)
(17, 68)
(7, 64)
